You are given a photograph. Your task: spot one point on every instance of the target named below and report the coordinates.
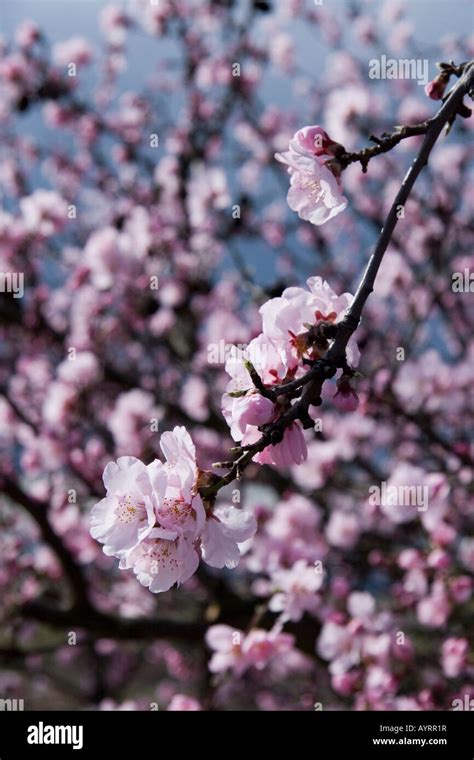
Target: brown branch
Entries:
(391, 140)
(38, 511)
(366, 286)
(111, 626)
(383, 145)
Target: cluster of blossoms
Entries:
(291, 338)
(153, 518)
(238, 651)
(154, 521)
(369, 648)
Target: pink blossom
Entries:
(415, 583)
(226, 643)
(454, 653)
(154, 520)
(289, 534)
(81, 370)
(345, 683)
(130, 418)
(434, 609)
(59, 402)
(285, 320)
(361, 605)
(126, 516)
(259, 647)
(338, 644)
(238, 412)
(461, 588)
(296, 590)
(343, 529)
(236, 651)
(379, 682)
(291, 450)
(75, 50)
(194, 398)
(113, 22)
(251, 409)
(404, 651)
(410, 558)
(179, 509)
(225, 529)
(263, 352)
(183, 703)
(466, 552)
(282, 51)
(107, 253)
(44, 212)
(438, 559)
(375, 646)
(346, 398)
(162, 560)
(315, 189)
(27, 34)
(411, 492)
(276, 353)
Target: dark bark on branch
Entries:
(38, 511)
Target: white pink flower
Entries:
(433, 611)
(278, 355)
(338, 644)
(75, 50)
(183, 703)
(238, 651)
(251, 409)
(245, 413)
(315, 190)
(345, 398)
(179, 508)
(44, 212)
(225, 529)
(154, 520)
(343, 529)
(285, 320)
(296, 590)
(126, 516)
(291, 450)
(162, 560)
(453, 658)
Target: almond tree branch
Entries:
(444, 116)
(38, 511)
(389, 141)
(383, 145)
(336, 356)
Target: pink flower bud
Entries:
(313, 139)
(435, 89)
(345, 399)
